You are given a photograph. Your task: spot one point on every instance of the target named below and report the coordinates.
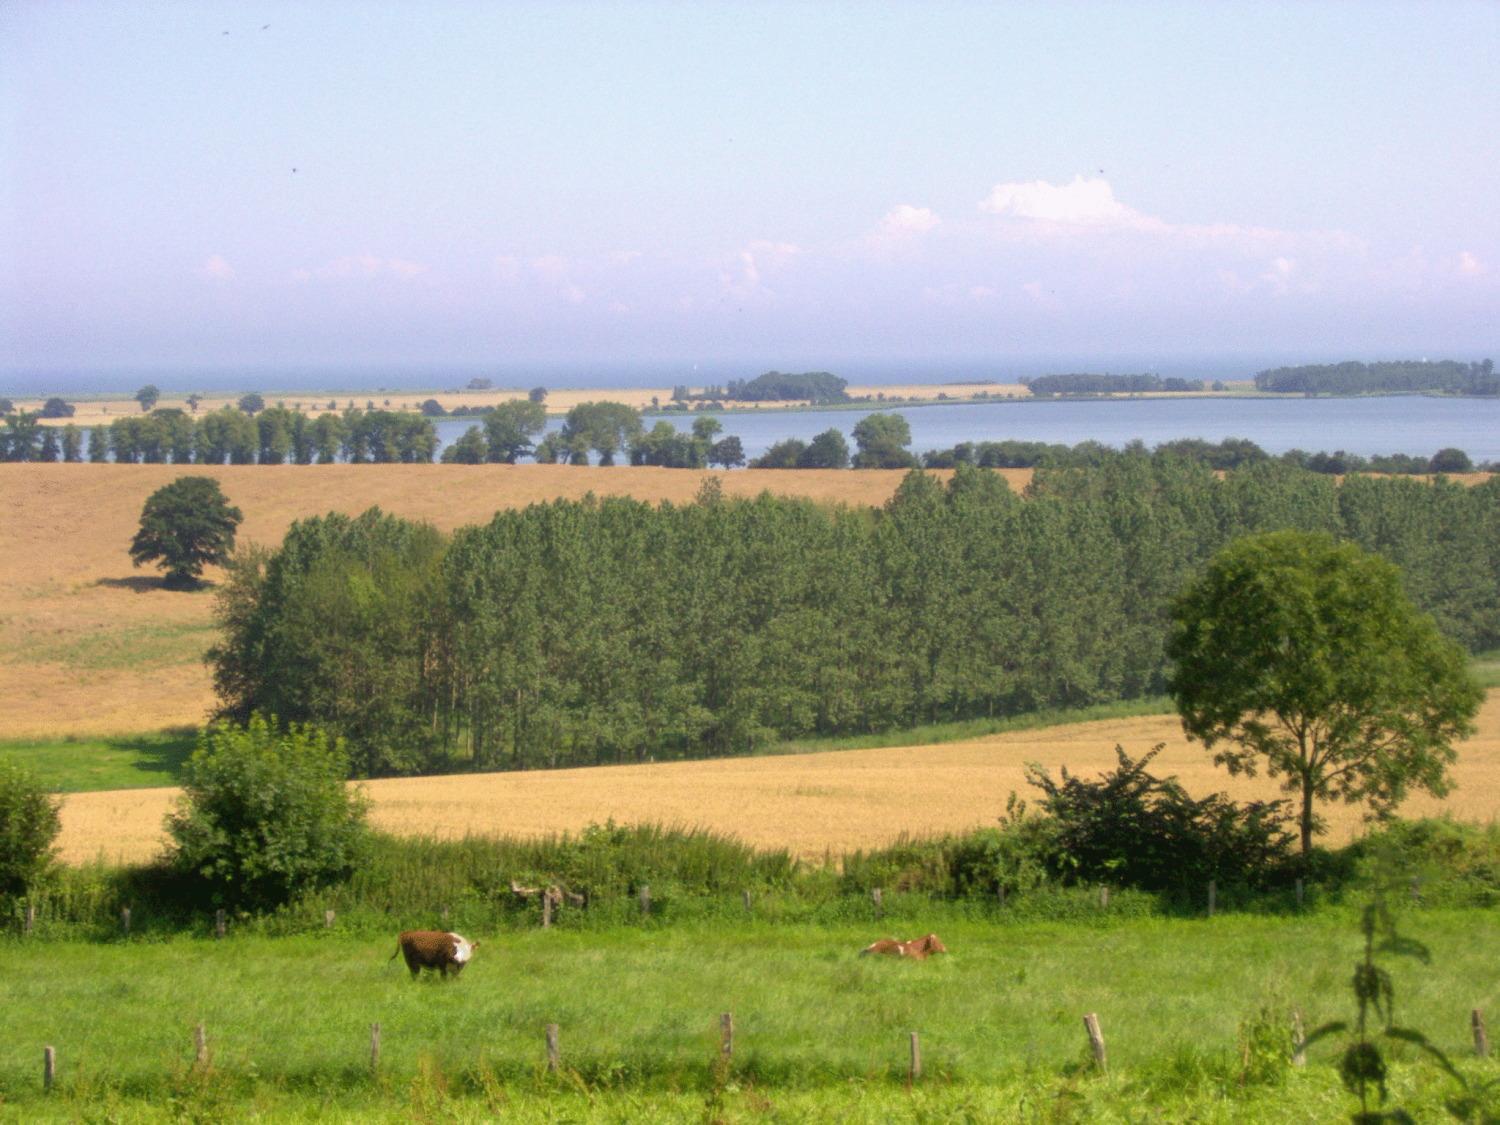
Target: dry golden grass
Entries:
(91, 645)
(810, 803)
(93, 411)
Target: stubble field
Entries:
(812, 804)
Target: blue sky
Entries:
(790, 185)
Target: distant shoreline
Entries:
(100, 408)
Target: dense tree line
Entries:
(611, 630)
(812, 386)
(1085, 383)
(1353, 377)
(1231, 453)
(229, 436)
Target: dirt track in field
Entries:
(91, 645)
(809, 803)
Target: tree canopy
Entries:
(882, 441)
(1304, 656)
(511, 427)
(265, 813)
(148, 397)
(605, 427)
(187, 525)
(28, 825)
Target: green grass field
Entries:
(86, 763)
(820, 1032)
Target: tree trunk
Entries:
(1307, 817)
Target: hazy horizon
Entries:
(274, 187)
(605, 374)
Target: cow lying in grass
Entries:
(434, 949)
(919, 949)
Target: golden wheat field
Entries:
(811, 804)
(91, 645)
(96, 410)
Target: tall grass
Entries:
(701, 877)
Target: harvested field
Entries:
(810, 803)
(94, 411)
(90, 644)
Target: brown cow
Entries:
(918, 949)
(434, 949)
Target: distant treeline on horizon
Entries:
(1353, 377)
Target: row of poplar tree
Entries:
(576, 633)
(276, 436)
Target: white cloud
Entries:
(216, 269)
(1469, 264)
(754, 262)
(362, 266)
(1080, 203)
(904, 220)
(551, 267)
(1089, 205)
(403, 268)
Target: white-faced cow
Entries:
(918, 948)
(434, 949)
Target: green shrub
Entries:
(1446, 862)
(1134, 829)
(28, 825)
(266, 813)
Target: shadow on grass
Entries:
(145, 584)
(164, 752)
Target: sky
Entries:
(732, 187)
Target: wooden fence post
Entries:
(915, 1070)
(1213, 896)
(29, 920)
(1481, 1040)
(1416, 889)
(49, 1067)
(1300, 893)
(374, 1047)
(200, 1045)
(1096, 1041)
(645, 899)
(125, 920)
(219, 924)
(1299, 1039)
(328, 917)
(1103, 896)
(554, 1053)
(879, 900)
(444, 915)
(1000, 890)
(546, 910)
(749, 909)
(726, 1034)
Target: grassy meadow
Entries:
(816, 1026)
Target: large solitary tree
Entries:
(1304, 656)
(187, 525)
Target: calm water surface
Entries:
(1407, 424)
